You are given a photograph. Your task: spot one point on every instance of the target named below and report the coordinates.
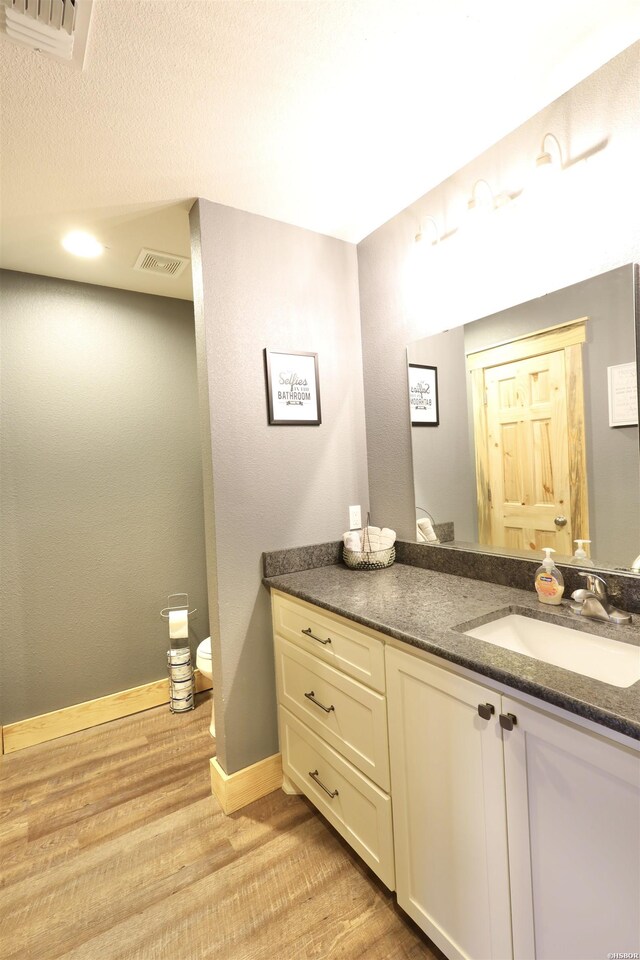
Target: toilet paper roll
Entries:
(181, 704)
(178, 655)
(178, 624)
(181, 673)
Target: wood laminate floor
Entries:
(112, 848)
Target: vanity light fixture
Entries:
(82, 244)
(543, 178)
(482, 199)
(550, 156)
(429, 231)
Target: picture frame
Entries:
(423, 395)
(293, 388)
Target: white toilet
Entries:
(203, 663)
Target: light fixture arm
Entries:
(482, 197)
(550, 152)
(429, 228)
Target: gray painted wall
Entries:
(267, 284)
(443, 465)
(583, 229)
(102, 511)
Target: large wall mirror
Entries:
(535, 442)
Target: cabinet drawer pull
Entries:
(314, 776)
(486, 710)
(311, 696)
(508, 721)
(308, 633)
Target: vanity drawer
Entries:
(359, 810)
(349, 716)
(330, 639)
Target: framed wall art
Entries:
(293, 389)
(423, 395)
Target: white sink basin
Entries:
(612, 661)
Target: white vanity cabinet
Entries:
(573, 813)
(332, 716)
(447, 776)
(521, 842)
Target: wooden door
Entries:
(447, 784)
(573, 804)
(530, 442)
(528, 454)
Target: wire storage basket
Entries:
(368, 559)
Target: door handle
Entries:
(560, 521)
(311, 696)
(308, 633)
(314, 776)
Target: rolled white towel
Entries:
(426, 528)
(353, 540)
(371, 538)
(376, 539)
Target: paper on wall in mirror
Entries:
(623, 395)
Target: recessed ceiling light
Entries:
(82, 244)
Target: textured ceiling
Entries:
(329, 114)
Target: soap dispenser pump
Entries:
(549, 582)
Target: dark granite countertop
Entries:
(423, 608)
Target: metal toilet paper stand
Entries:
(179, 667)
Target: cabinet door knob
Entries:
(486, 710)
(508, 721)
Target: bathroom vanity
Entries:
(499, 795)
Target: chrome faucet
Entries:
(594, 601)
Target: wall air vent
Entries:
(57, 28)
(166, 264)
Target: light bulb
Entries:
(82, 244)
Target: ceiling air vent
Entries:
(58, 28)
(166, 264)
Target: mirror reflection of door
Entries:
(528, 421)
